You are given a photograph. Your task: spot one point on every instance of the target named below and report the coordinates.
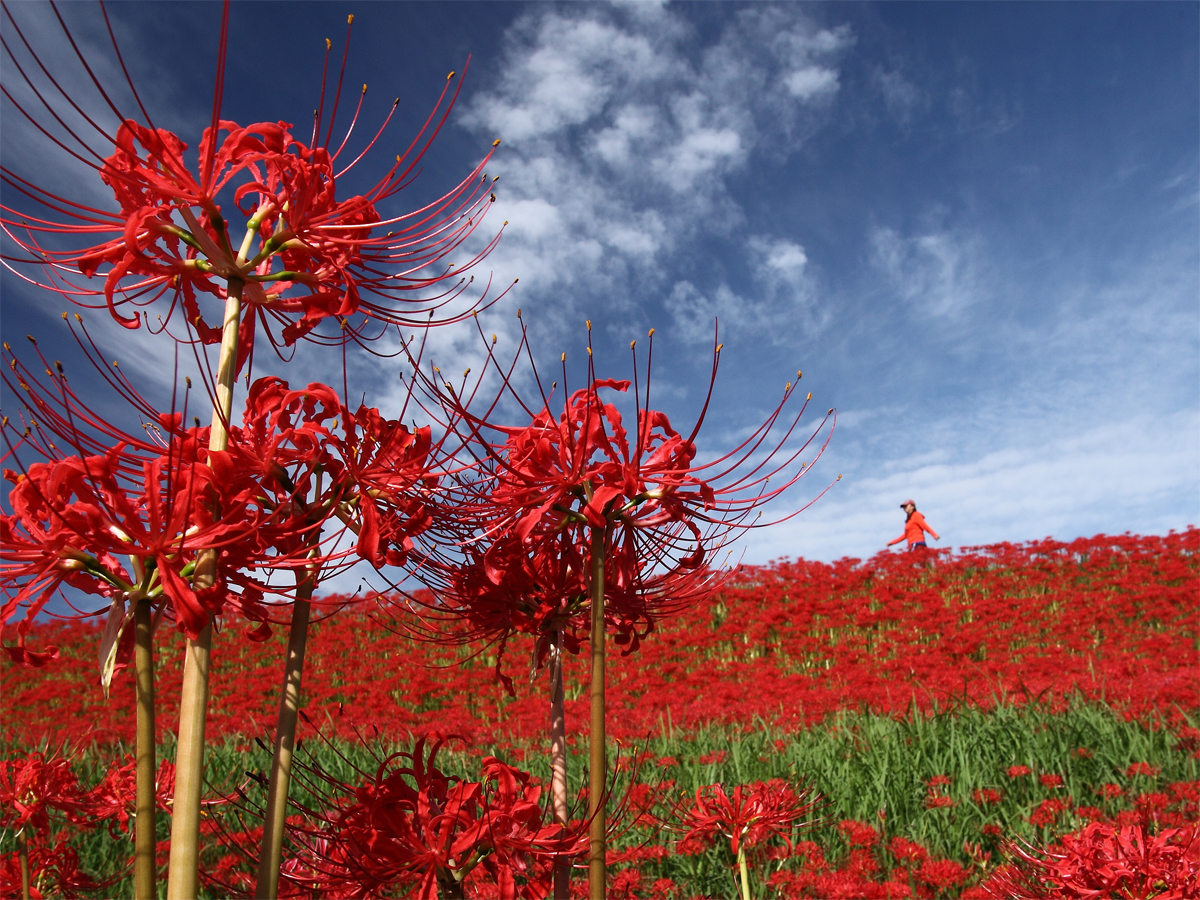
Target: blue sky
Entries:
(974, 226)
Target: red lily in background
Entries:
(752, 815)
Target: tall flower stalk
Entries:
(627, 522)
(307, 258)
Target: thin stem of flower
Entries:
(183, 880)
(597, 878)
(23, 856)
(558, 762)
(285, 740)
(743, 869)
(145, 824)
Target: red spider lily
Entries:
(412, 825)
(541, 488)
(114, 799)
(33, 788)
(752, 815)
(1105, 861)
(72, 519)
(53, 872)
(158, 500)
(307, 254)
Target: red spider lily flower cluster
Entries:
(752, 815)
(1106, 861)
(541, 489)
(300, 459)
(308, 253)
(416, 828)
(42, 801)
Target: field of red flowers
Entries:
(942, 705)
(1105, 618)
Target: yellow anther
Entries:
(64, 316)
(451, 75)
(466, 372)
(518, 312)
(589, 351)
(436, 369)
(651, 334)
(564, 358)
(589, 324)
(799, 374)
(364, 88)
(493, 338)
(719, 346)
(328, 44)
(496, 142)
(830, 413)
(809, 397)
(350, 19)
(493, 198)
(631, 343)
(839, 478)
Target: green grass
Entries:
(862, 764)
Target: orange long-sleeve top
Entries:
(914, 530)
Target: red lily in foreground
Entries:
(414, 827)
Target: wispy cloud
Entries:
(621, 128)
(937, 273)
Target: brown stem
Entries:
(183, 878)
(145, 821)
(597, 877)
(558, 763)
(285, 738)
(23, 856)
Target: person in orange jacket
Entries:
(915, 527)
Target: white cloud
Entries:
(902, 98)
(1055, 481)
(620, 129)
(810, 82)
(938, 272)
